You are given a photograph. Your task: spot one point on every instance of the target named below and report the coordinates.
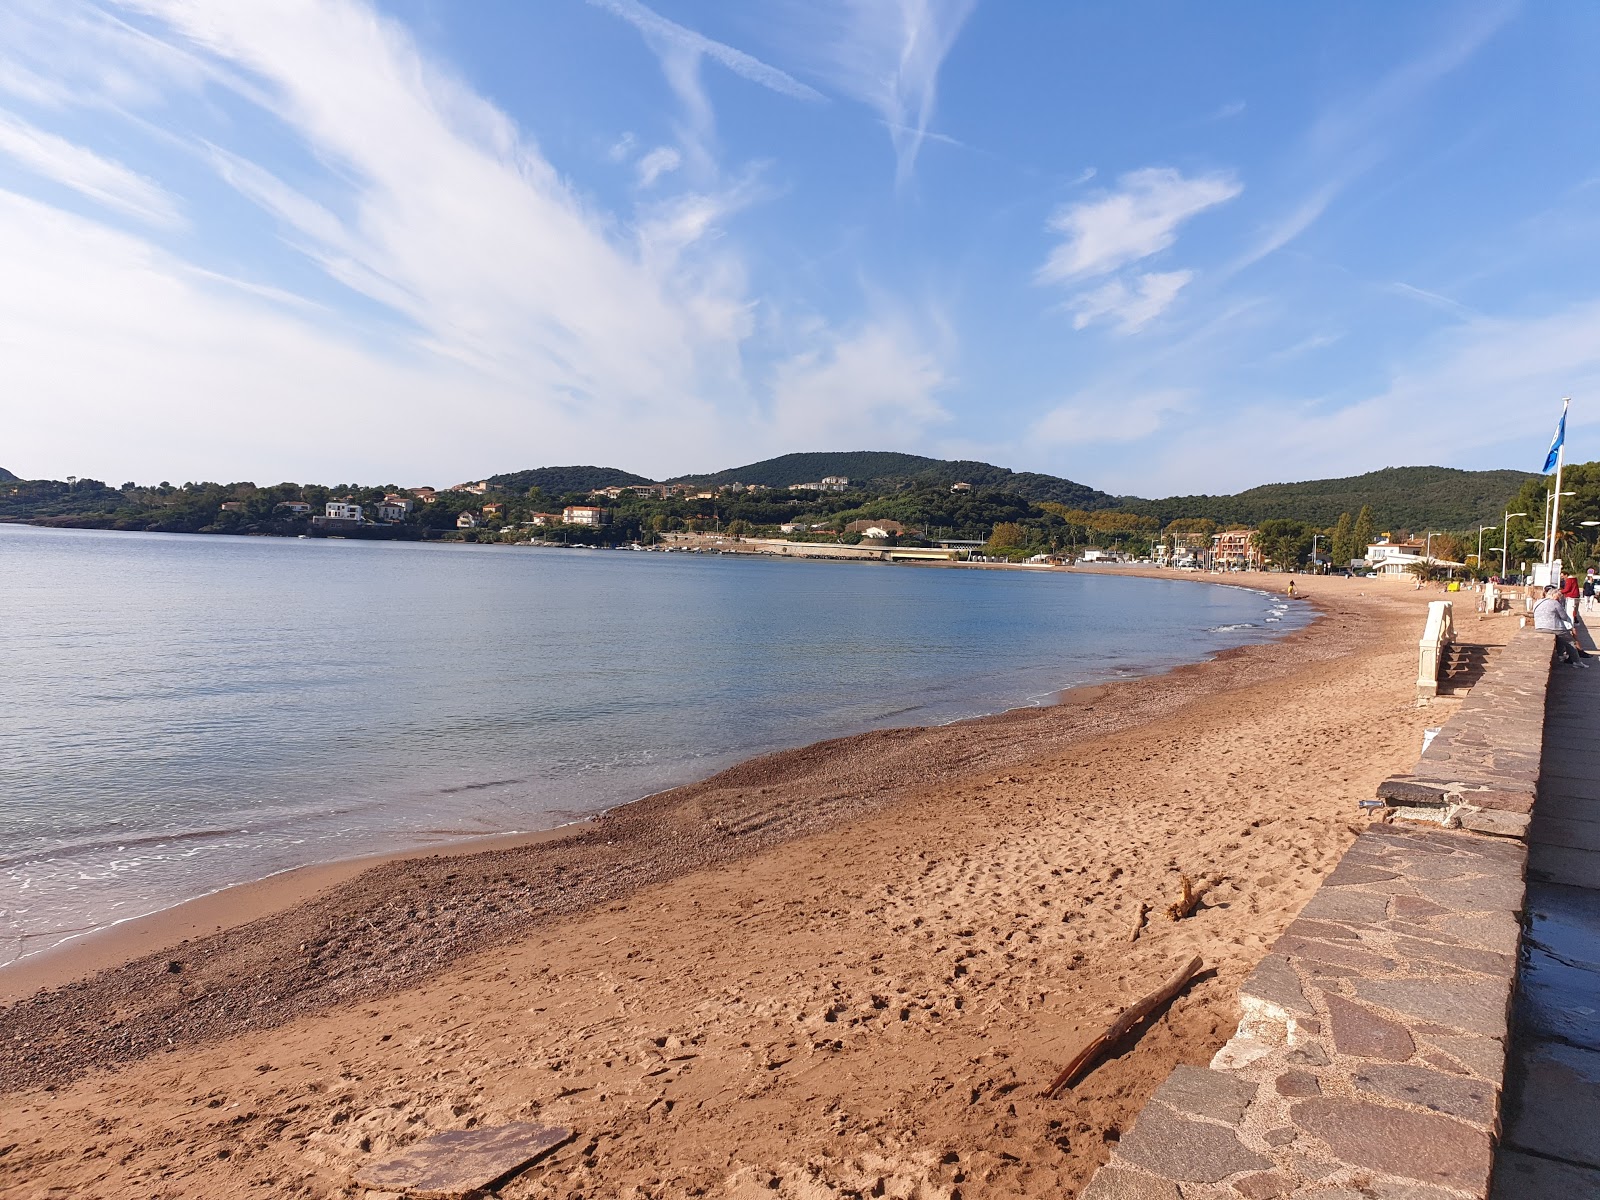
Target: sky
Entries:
(1155, 247)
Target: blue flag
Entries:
(1561, 436)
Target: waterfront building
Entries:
(583, 514)
(1235, 550)
(467, 520)
(342, 510)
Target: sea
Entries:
(181, 713)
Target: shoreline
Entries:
(122, 942)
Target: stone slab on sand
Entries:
(461, 1162)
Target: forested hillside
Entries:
(1400, 498)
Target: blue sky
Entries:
(1155, 247)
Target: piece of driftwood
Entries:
(1128, 1018)
(1186, 903)
(1138, 921)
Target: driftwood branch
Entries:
(1186, 903)
(1138, 921)
(1129, 1017)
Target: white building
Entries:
(835, 483)
(342, 510)
(583, 514)
(467, 520)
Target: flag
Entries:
(1561, 436)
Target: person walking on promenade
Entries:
(1588, 591)
(1550, 616)
(1569, 595)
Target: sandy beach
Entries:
(849, 969)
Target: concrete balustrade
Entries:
(1437, 636)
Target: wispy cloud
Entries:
(1139, 218)
(663, 32)
(1098, 417)
(85, 172)
(877, 386)
(1131, 306)
(1435, 300)
(681, 51)
(491, 287)
(661, 161)
(888, 54)
(1354, 135)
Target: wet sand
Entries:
(847, 968)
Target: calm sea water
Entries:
(183, 713)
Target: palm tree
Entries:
(1425, 571)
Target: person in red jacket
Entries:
(1569, 595)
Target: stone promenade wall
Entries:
(1370, 1054)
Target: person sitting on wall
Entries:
(1550, 616)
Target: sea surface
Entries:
(181, 713)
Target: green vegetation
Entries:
(882, 472)
(1013, 514)
(1577, 543)
(1399, 497)
(556, 481)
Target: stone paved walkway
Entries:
(1550, 1148)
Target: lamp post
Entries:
(1505, 536)
(1314, 538)
(1481, 528)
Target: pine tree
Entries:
(1342, 547)
(1363, 533)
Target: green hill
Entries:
(1401, 498)
(7, 477)
(556, 481)
(884, 471)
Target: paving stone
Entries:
(1519, 1176)
(462, 1161)
(1274, 981)
(1280, 1137)
(1328, 931)
(1346, 904)
(1487, 894)
(1415, 908)
(1207, 1093)
(1392, 1190)
(1422, 1147)
(1310, 1054)
(1491, 931)
(1347, 876)
(1556, 1109)
(1485, 1057)
(1468, 958)
(1298, 1084)
(1458, 1096)
(1267, 1185)
(1112, 1183)
(1168, 1144)
(1301, 948)
(1474, 1007)
(1496, 823)
(1363, 1033)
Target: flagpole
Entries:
(1555, 497)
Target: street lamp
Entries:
(1314, 538)
(1505, 536)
